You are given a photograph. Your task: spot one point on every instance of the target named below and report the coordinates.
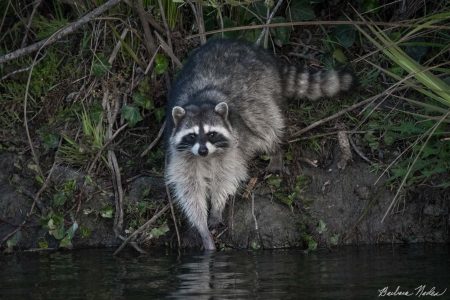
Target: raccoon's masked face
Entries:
(201, 130)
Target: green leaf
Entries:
(49, 140)
(162, 63)
(107, 212)
(301, 10)
(143, 101)
(131, 114)
(321, 227)
(312, 244)
(59, 199)
(66, 242)
(334, 240)
(274, 181)
(85, 232)
(160, 114)
(159, 231)
(56, 227)
(339, 56)
(345, 35)
(42, 244)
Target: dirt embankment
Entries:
(337, 207)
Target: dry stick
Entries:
(155, 141)
(36, 5)
(166, 25)
(142, 228)
(357, 150)
(314, 23)
(116, 49)
(21, 70)
(61, 33)
(172, 211)
(199, 19)
(336, 115)
(150, 44)
(109, 141)
(265, 31)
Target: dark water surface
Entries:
(343, 273)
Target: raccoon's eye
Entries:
(191, 136)
(212, 134)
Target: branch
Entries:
(61, 33)
(142, 228)
(266, 29)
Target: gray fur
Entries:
(237, 89)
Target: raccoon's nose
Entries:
(203, 151)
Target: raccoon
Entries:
(224, 108)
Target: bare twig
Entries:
(166, 26)
(142, 228)
(109, 141)
(265, 31)
(155, 141)
(334, 116)
(172, 211)
(60, 33)
(357, 150)
(116, 49)
(21, 70)
(36, 5)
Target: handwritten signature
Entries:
(420, 291)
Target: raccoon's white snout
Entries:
(203, 150)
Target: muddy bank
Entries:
(336, 207)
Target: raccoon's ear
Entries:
(177, 114)
(222, 109)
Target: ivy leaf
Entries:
(302, 11)
(321, 227)
(161, 64)
(143, 101)
(159, 231)
(345, 35)
(59, 199)
(131, 114)
(107, 212)
(339, 56)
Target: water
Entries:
(343, 273)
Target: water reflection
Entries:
(349, 272)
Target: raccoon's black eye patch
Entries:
(212, 134)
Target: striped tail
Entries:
(302, 83)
